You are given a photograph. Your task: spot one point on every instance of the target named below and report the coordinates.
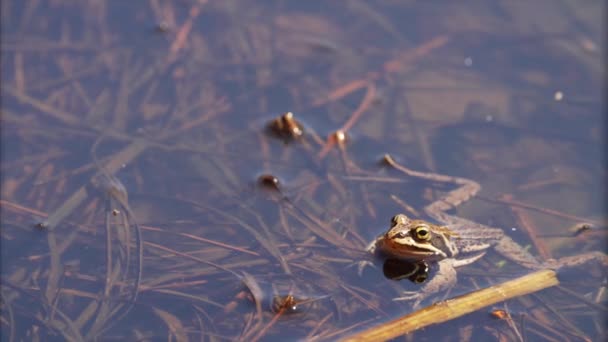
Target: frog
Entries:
(456, 241)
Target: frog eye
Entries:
(422, 233)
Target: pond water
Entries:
(153, 186)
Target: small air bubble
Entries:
(558, 96)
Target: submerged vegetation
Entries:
(212, 170)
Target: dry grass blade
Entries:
(53, 112)
(256, 292)
(123, 157)
(175, 325)
(460, 306)
(266, 241)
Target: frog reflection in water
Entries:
(460, 242)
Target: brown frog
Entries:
(458, 243)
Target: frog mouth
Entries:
(415, 250)
(409, 249)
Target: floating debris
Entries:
(42, 225)
(286, 127)
(580, 228)
(339, 136)
(285, 304)
(270, 182)
(499, 314)
(284, 294)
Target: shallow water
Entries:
(178, 96)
